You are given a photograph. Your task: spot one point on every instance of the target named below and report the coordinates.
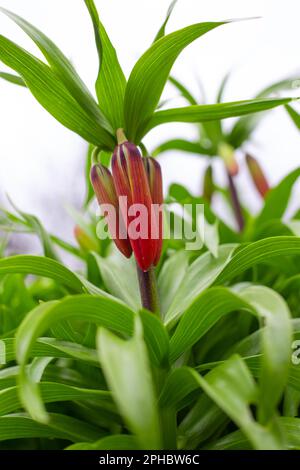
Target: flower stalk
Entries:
(237, 208)
(148, 289)
(226, 152)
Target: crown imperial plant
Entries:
(210, 362)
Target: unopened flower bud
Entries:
(104, 188)
(257, 175)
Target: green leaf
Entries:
(170, 278)
(52, 347)
(211, 237)
(40, 266)
(52, 94)
(261, 251)
(276, 346)
(21, 426)
(111, 82)
(183, 90)
(237, 441)
(222, 88)
(162, 30)
(53, 392)
(183, 196)
(120, 278)
(255, 363)
(184, 145)
(149, 76)
(233, 389)
(277, 199)
(294, 115)
(214, 303)
(12, 78)
(200, 275)
(116, 442)
(156, 338)
(244, 127)
(63, 68)
(203, 313)
(251, 344)
(33, 222)
(212, 112)
(101, 311)
(89, 194)
(201, 423)
(135, 397)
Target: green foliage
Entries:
(59, 89)
(86, 367)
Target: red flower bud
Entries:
(104, 188)
(135, 190)
(131, 180)
(257, 175)
(154, 175)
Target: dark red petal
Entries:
(104, 188)
(131, 180)
(154, 174)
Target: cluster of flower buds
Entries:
(134, 190)
(257, 175)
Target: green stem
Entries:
(121, 137)
(148, 289)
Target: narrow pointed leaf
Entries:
(21, 426)
(62, 67)
(51, 93)
(183, 91)
(54, 392)
(184, 145)
(40, 266)
(162, 30)
(114, 442)
(120, 278)
(294, 115)
(170, 278)
(111, 82)
(213, 112)
(257, 253)
(199, 275)
(33, 222)
(12, 78)
(222, 88)
(244, 127)
(237, 441)
(135, 398)
(233, 389)
(277, 199)
(101, 311)
(149, 76)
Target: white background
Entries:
(41, 162)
